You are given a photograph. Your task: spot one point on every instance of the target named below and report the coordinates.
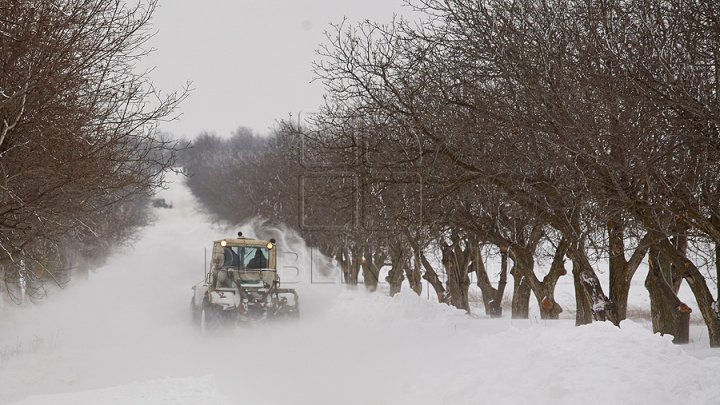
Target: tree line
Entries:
(79, 151)
(568, 129)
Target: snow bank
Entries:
(427, 353)
(594, 364)
(358, 306)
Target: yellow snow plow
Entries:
(242, 285)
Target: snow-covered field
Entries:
(124, 337)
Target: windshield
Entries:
(245, 257)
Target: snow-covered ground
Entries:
(124, 337)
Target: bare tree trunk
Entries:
(521, 292)
(583, 305)
(696, 281)
(669, 315)
(492, 297)
(374, 258)
(370, 274)
(601, 307)
(715, 218)
(455, 263)
(413, 275)
(502, 282)
(431, 277)
(343, 258)
(622, 270)
(525, 279)
(395, 277)
(354, 266)
(549, 308)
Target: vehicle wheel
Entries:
(210, 318)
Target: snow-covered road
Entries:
(124, 337)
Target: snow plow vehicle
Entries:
(242, 285)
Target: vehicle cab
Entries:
(241, 270)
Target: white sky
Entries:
(249, 61)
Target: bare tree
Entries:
(78, 137)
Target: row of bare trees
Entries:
(79, 152)
(567, 129)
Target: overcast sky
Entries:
(249, 61)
